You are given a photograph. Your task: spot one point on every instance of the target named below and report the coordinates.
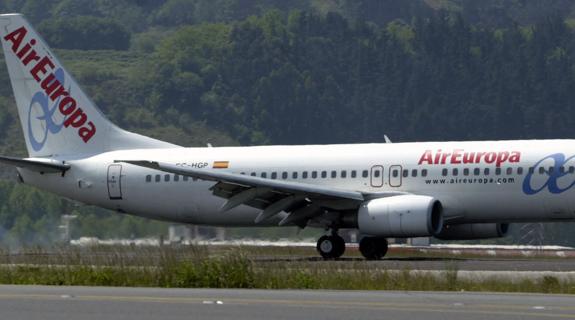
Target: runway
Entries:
(86, 303)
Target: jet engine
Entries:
(401, 217)
(473, 231)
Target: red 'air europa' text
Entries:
(40, 69)
(460, 156)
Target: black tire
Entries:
(368, 248)
(373, 248)
(330, 247)
(382, 246)
(339, 246)
(325, 247)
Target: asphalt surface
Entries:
(83, 303)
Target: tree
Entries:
(85, 33)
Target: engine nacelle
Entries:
(402, 216)
(473, 231)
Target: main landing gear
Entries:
(373, 248)
(333, 247)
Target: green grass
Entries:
(237, 267)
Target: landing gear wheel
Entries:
(331, 247)
(339, 246)
(373, 248)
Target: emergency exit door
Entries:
(115, 181)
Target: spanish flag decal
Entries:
(221, 164)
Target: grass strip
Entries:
(200, 268)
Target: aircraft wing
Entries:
(302, 201)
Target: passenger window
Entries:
(304, 175)
(324, 174)
(334, 174)
(520, 170)
(571, 169)
(253, 174)
(551, 170)
(274, 175)
(284, 175)
(264, 175)
(158, 178)
(314, 174)
(343, 174)
(424, 173)
(294, 175)
(541, 170)
(405, 173)
(176, 177)
(466, 171)
(149, 178)
(509, 171)
(455, 171)
(497, 171)
(186, 178)
(444, 172)
(531, 170)
(476, 171)
(486, 171)
(353, 173)
(167, 178)
(376, 173)
(414, 173)
(562, 169)
(395, 173)
(365, 174)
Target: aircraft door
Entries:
(395, 173)
(115, 181)
(377, 176)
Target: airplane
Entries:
(446, 190)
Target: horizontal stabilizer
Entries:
(38, 165)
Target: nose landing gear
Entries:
(331, 247)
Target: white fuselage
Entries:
(540, 191)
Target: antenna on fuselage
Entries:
(387, 140)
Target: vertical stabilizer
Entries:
(56, 115)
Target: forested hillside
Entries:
(245, 72)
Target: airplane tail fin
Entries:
(57, 117)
